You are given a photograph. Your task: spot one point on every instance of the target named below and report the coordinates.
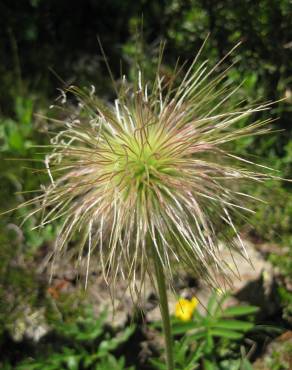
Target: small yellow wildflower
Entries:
(185, 308)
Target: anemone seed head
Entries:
(151, 171)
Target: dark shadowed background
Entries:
(45, 45)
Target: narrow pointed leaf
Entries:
(233, 325)
(224, 333)
(240, 311)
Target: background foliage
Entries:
(51, 44)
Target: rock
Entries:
(278, 354)
(31, 325)
(154, 314)
(256, 285)
(253, 282)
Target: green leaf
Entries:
(240, 311)
(212, 303)
(224, 333)
(15, 140)
(112, 363)
(208, 365)
(24, 110)
(231, 364)
(268, 329)
(112, 343)
(233, 325)
(72, 362)
(219, 308)
(198, 335)
(183, 327)
(209, 346)
(198, 353)
(246, 365)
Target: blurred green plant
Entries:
(17, 137)
(264, 63)
(272, 220)
(16, 134)
(84, 343)
(286, 302)
(279, 357)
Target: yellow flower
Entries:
(185, 308)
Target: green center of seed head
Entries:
(143, 167)
(137, 165)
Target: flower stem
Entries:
(163, 304)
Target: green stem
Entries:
(163, 304)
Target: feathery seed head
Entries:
(151, 169)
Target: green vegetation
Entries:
(280, 359)
(84, 343)
(41, 40)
